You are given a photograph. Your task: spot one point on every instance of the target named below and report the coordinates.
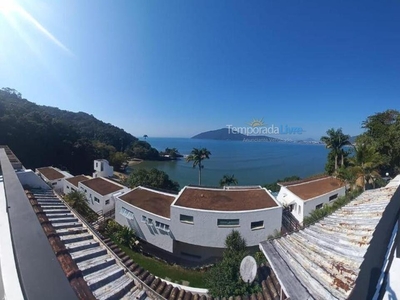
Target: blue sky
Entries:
(177, 68)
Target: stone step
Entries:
(66, 225)
(104, 276)
(94, 264)
(56, 211)
(78, 246)
(58, 215)
(132, 294)
(55, 207)
(87, 254)
(62, 220)
(70, 231)
(114, 290)
(72, 238)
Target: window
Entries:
(158, 224)
(73, 189)
(107, 201)
(228, 222)
(333, 197)
(126, 213)
(96, 200)
(299, 209)
(144, 219)
(67, 187)
(149, 221)
(257, 225)
(186, 219)
(318, 206)
(54, 183)
(162, 226)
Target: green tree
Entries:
(223, 280)
(118, 159)
(365, 163)
(383, 131)
(152, 178)
(228, 180)
(77, 200)
(336, 140)
(145, 136)
(197, 156)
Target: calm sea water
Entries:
(252, 163)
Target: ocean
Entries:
(252, 163)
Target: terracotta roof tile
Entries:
(151, 201)
(225, 199)
(76, 179)
(102, 186)
(311, 189)
(50, 173)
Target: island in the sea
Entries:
(225, 134)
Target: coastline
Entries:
(123, 175)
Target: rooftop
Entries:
(149, 200)
(76, 179)
(102, 186)
(324, 260)
(237, 199)
(312, 188)
(15, 162)
(51, 173)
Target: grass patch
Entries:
(162, 270)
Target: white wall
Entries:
(95, 206)
(149, 233)
(68, 187)
(102, 168)
(205, 232)
(28, 177)
(285, 196)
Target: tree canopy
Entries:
(223, 280)
(151, 178)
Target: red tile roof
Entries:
(237, 199)
(151, 201)
(317, 187)
(102, 186)
(76, 179)
(50, 173)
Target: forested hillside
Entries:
(43, 135)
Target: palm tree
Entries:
(77, 200)
(336, 140)
(197, 156)
(228, 180)
(365, 163)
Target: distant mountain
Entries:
(353, 139)
(225, 134)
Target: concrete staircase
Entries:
(106, 278)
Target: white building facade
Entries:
(304, 196)
(71, 184)
(99, 193)
(196, 230)
(54, 177)
(102, 168)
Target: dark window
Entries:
(191, 255)
(107, 202)
(67, 187)
(319, 206)
(228, 222)
(257, 225)
(96, 200)
(186, 219)
(333, 197)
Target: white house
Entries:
(54, 177)
(99, 193)
(102, 168)
(71, 184)
(193, 225)
(147, 212)
(304, 196)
